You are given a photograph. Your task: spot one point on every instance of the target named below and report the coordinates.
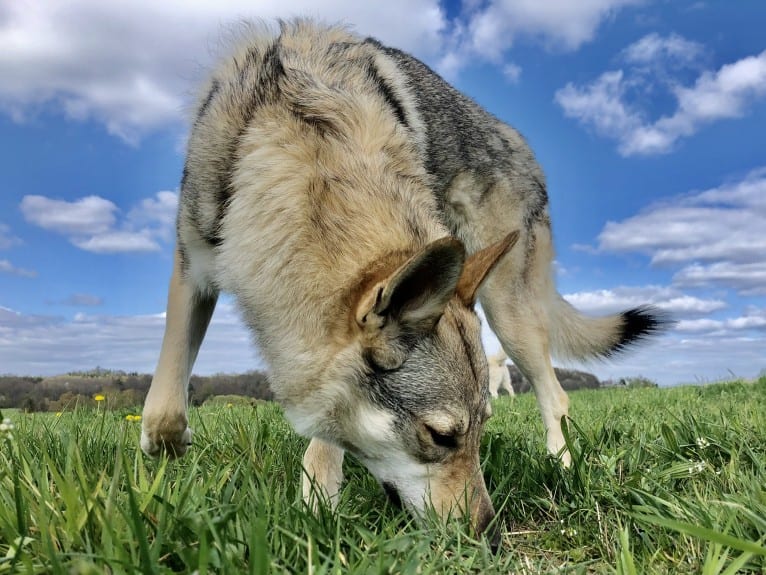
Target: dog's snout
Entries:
(484, 521)
(495, 538)
(393, 494)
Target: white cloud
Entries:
(157, 213)
(715, 236)
(604, 104)
(86, 216)
(490, 30)
(748, 279)
(672, 300)
(711, 241)
(91, 223)
(560, 23)
(82, 300)
(512, 72)
(754, 319)
(601, 105)
(48, 345)
(673, 50)
(722, 94)
(113, 242)
(133, 66)
(699, 325)
(7, 240)
(750, 321)
(698, 358)
(7, 267)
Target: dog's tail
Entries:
(577, 336)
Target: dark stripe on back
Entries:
(190, 191)
(214, 89)
(270, 70)
(388, 94)
(383, 88)
(537, 200)
(256, 82)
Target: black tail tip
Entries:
(642, 322)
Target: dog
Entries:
(357, 206)
(499, 376)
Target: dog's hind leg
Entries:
(164, 422)
(515, 299)
(322, 473)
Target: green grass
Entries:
(662, 481)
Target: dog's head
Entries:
(420, 392)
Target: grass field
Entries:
(663, 481)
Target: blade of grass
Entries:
(147, 564)
(703, 533)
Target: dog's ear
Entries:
(410, 300)
(416, 294)
(478, 266)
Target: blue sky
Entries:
(648, 118)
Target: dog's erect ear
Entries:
(410, 300)
(417, 293)
(478, 266)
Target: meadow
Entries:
(662, 481)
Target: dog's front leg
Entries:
(164, 421)
(322, 473)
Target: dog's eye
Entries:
(448, 440)
(380, 370)
(375, 368)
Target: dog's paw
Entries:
(172, 438)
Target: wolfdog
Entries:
(357, 206)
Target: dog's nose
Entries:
(493, 534)
(495, 538)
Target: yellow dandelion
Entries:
(136, 418)
(229, 405)
(58, 414)
(129, 417)
(99, 397)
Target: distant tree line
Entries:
(128, 389)
(120, 389)
(570, 379)
(573, 379)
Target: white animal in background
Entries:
(499, 376)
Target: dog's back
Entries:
(390, 99)
(300, 176)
